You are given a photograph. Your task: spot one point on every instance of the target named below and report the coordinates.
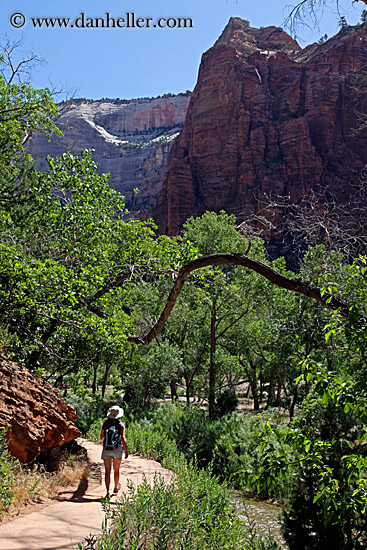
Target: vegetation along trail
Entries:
(65, 524)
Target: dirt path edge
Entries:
(62, 525)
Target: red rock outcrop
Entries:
(37, 416)
(266, 118)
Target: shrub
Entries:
(94, 432)
(6, 474)
(309, 520)
(194, 512)
(229, 444)
(91, 409)
(226, 403)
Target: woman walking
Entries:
(113, 440)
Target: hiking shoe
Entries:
(116, 489)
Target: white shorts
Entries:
(115, 454)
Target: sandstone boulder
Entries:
(37, 416)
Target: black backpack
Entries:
(111, 437)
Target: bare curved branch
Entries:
(294, 285)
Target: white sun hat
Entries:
(115, 412)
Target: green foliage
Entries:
(69, 271)
(189, 429)
(327, 500)
(226, 403)
(94, 430)
(229, 445)
(6, 474)
(328, 491)
(92, 411)
(70, 261)
(58, 262)
(215, 233)
(216, 303)
(151, 375)
(354, 327)
(194, 512)
(145, 439)
(23, 110)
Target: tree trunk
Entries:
(36, 354)
(187, 394)
(212, 373)
(294, 285)
(188, 385)
(105, 379)
(94, 383)
(279, 392)
(293, 404)
(349, 530)
(261, 390)
(173, 385)
(270, 394)
(59, 381)
(253, 385)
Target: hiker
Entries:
(113, 439)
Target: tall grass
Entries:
(230, 444)
(36, 484)
(22, 485)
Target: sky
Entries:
(159, 55)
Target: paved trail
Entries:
(63, 525)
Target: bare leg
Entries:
(116, 471)
(107, 473)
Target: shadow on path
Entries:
(62, 525)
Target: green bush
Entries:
(94, 432)
(304, 518)
(144, 439)
(226, 403)
(195, 512)
(171, 516)
(6, 474)
(91, 409)
(229, 444)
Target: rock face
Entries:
(37, 416)
(266, 118)
(131, 139)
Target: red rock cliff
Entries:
(266, 117)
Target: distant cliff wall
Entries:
(131, 140)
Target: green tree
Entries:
(69, 258)
(221, 290)
(327, 505)
(23, 110)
